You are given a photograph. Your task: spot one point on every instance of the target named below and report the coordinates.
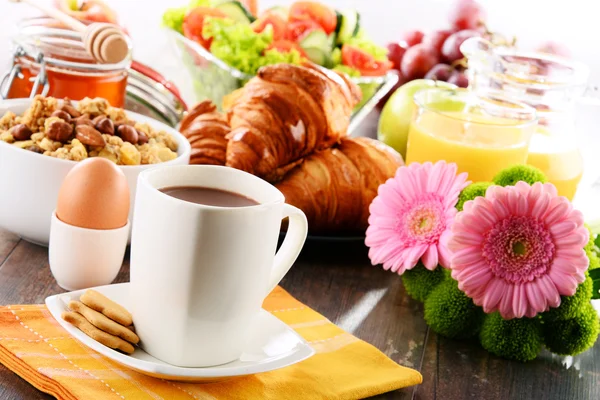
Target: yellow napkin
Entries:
(37, 348)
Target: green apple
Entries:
(395, 117)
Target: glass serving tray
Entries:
(212, 79)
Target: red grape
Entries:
(440, 72)
(451, 48)
(466, 14)
(459, 79)
(436, 39)
(417, 61)
(413, 38)
(396, 52)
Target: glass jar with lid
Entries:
(129, 84)
(547, 83)
(51, 60)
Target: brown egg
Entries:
(94, 195)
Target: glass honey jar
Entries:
(51, 60)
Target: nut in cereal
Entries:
(91, 128)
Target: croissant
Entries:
(335, 187)
(206, 130)
(285, 113)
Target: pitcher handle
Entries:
(291, 246)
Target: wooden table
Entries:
(337, 280)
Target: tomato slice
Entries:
(297, 30)
(193, 23)
(364, 62)
(285, 46)
(279, 25)
(317, 12)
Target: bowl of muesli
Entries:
(42, 138)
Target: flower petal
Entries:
(493, 294)
(565, 284)
(575, 239)
(548, 188)
(435, 177)
(465, 256)
(500, 209)
(466, 238)
(540, 205)
(536, 297)
(505, 307)
(562, 229)
(548, 290)
(475, 280)
(520, 304)
(558, 210)
(412, 256)
(444, 255)
(430, 257)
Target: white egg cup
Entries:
(81, 258)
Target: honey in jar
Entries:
(51, 60)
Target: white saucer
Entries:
(273, 345)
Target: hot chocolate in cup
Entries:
(201, 266)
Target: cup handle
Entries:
(291, 246)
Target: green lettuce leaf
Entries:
(240, 47)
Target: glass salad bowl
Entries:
(212, 79)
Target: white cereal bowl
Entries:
(29, 182)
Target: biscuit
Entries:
(104, 323)
(104, 338)
(102, 304)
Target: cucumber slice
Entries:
(338, 24)
(357, 27)
(283, 12)
(236, 11)
(348, 25)
(316, 39)
(317, 46)
(318, 56)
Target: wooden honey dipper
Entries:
(105, 42)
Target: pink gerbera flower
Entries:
(518, 249)
(412, 215)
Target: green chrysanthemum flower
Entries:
(514, 339)
(526, 173)
(449, 312)
(575, 335)
(420, 281)
(472, 191)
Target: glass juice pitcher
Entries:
(547, 83)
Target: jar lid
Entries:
(150, 94)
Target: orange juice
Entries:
(559, 159)
(481, 145)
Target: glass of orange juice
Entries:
(481, 134)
